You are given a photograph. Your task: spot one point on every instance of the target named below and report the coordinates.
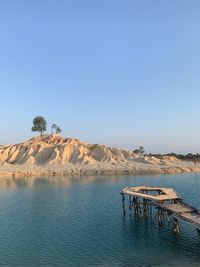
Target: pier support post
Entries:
(151, 209)
(135, 205)
(176, 226)
(130, 203)
(123, 204)
(144, 206)
(123, 198)
(159, 216)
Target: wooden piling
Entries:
(167, 202)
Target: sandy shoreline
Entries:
(52, 155)
(95, 172)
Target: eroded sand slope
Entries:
(54, 155)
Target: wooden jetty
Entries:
(167, 202)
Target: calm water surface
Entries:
(79, 222)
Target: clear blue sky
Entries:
(120, 72)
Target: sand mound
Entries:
(49, 154)
(53, 149)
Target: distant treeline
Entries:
(189, 156)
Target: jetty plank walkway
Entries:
(166, 200)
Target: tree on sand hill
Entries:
(56, 128)
(140, 150)
(39, 124)
(53, 126)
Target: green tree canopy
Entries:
(58, 130)
(140, 150)
(39, 124)
(53, 126)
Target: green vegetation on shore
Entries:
(40, 125)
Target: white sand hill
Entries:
(49, 155)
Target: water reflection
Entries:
(73, 221)
(31, 182)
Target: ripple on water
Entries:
(80, 222)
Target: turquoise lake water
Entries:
(79, 222)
